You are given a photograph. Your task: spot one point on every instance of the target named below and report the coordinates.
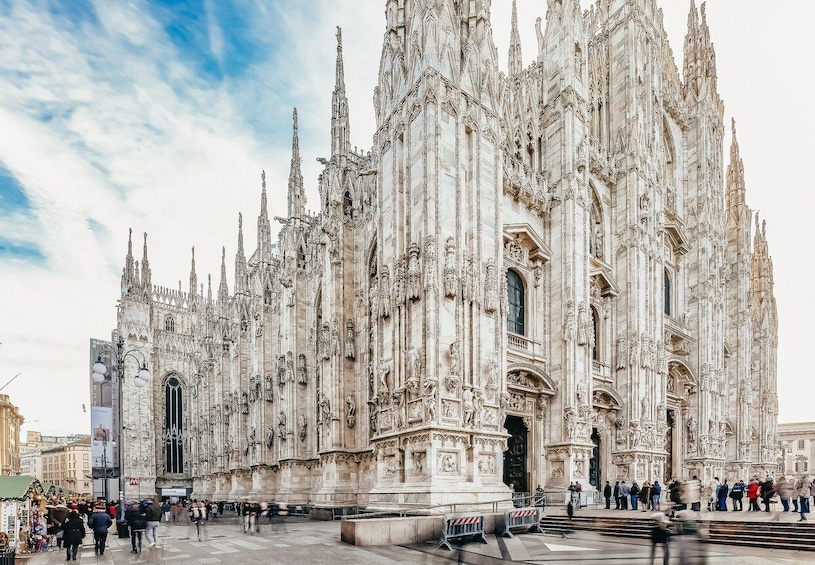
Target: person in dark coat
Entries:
(100, 521)
(607, 495)
(617, 495)
(73, 533)
(659, 535)
(136, 517)
(767, 492)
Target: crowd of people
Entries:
(64, 524)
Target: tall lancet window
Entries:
(173, 427)
(169, 324)
(668, 295)
(595, 324)
(515, 300)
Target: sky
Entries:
(160, 115)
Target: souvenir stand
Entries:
(21, 503)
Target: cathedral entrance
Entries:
(669, 447)
(594, 462)
(515, 455)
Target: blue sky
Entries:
(160, 116)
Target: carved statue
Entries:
(350, 411)
(385, 287)
(335, 338)
(289, 366)
(450, 269)
(468, 407)
(382, 371)
(324, 408)
(350, 347)
(301, 369)
(373, 296)
(448, 464)
(492, 378)
(281, 425)
(569, 321)
(324, 343)
(621, 355)
(430, 388)
(635, 349)
(399, 283)
(269, 437)
(582, 325)
(399, 407)
(414, 274)
(455, 367)
(414, 370)
(430, 262)
(490, 288)
(301, 426)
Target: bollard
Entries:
(522, 518)
(456, 526)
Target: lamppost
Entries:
(99, 374)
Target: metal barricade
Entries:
(522, 518)
(457, 526)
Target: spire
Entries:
(515, 56)
(128, 271)
(735, 174)
(340, 134)
(296, 200)
(223, 289)
(264, 228)
(193, 276)
(145, 269)
(209, 288)
(700, 57)
(241, 276)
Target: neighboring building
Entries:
(10, 422)
(36, 441)
(798, 447)
(31, 463)
(530, 279)
(69, 467)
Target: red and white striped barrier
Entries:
(458, 526)
(521, 518)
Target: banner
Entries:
(101, 441)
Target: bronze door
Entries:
(515, 455)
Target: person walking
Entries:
(692, 493)
(635, 493)
(607, 495)
(74, 533)
(154, 514)
(784, 488)
(737, 493)
(99, 522)
(136, 518)
(617, 495)
(165, 509)
(625, 493)
(656, 491)
(659, 536)
(767, 491)
(198, 515)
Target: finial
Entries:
(263, 178)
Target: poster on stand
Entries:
(102, 441)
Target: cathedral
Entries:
(531, 278)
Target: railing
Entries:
(516, 341)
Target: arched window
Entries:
(348, 204)
(515, 299)
(173, 427)
(668, 296)
(595, 335)
(169, 324)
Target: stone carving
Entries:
(580, 393)
(399, 407)
(414, 371)
(451, 381)
(373, 414)
(281, 425)
(289, 366)
(447, 463)
(430, 399)
(335, 338)
(570, 417)
(390, 468)
(268, 390)
(302, 373)
(514, 250)
(350, 347)
(569, 321)
(583, 328)
(419, 462)
(373, 296)
(244, 403)
(350, 411)
(385, 292)
(399, 283)
(486, 465)
(492, 378)
(382, 371)
(645, 357)
(490, 288)
(450, 269)
(634, 355)
(645, 404)
(467, 280)
(621, 351)
(281, 371)
(430, 262)
(691, 424)
(302, 424)
(324, 343)
(269, 437)
(414, 275)
(468, 406)
(323, 409)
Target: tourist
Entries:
(136, 518)
(803, 494)
(99, 522)
(645, 495)
(722, 493)
(753, 490)
(165, 510)
(617, 495)
(625, 492)
(675, 495)
(767, 492)
(784, 487)
(737, 493)
(635, 493)
(656, 491)
(692, 493)
(607, 495)
(659, 535)
(153, 518)
(74, 533)
(198, 516)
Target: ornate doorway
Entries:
(515, 455)
(594, 463)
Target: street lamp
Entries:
(99, 374)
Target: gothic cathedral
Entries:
(530, 279)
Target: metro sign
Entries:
(133, 481)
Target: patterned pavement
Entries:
(304, 542)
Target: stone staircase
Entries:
(767, 535)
